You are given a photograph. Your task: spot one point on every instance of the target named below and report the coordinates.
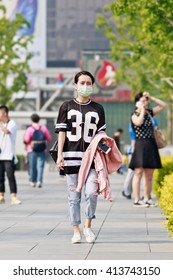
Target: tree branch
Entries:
(168, 80)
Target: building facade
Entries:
(71, 29)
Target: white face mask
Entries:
(85, 91)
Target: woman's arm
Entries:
(138, 119)
(161, 105)
(61, 141)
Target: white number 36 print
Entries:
(89, 128)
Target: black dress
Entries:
(146, 153)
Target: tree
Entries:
(11, 63)
(141, 41)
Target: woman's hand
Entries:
(146, 94)
(139, 104)
(60, 162)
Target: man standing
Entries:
(35, 138)
(117, 136)
(8, 130)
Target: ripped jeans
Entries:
(74, 198)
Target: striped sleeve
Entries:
(101, 125)
(61, 123)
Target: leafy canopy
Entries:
(141, 41)
(11, 63)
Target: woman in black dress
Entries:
(146, 156)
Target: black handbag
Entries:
(54, 151)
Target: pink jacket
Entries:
(104, 164)
(29, 133)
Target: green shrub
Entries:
(159, 174)
(166, 201)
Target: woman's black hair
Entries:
(138, 96)
(86, 73)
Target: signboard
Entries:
(34, 11)
(107, 88)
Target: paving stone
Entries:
(39, 228)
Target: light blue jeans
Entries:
(74, 198)
(36, 166)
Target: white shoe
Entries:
(76, 238)
(89, 235)
(15, 201)
(151, 203)
(140, 203)
(32, 184)
(38, 185)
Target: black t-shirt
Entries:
(80, 121)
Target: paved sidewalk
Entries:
(39, 229)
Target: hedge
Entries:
(159, 174)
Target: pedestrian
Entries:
(60, 79)
(78, 121)
(8, 130)
(117, 138)
(35, 139)
(145, 157)
(127, 187)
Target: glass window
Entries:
(71, 28)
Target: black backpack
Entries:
(39, 140)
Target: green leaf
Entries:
(10, 61)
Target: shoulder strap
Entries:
(151, 118)
(35, 128)
(32, 127)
